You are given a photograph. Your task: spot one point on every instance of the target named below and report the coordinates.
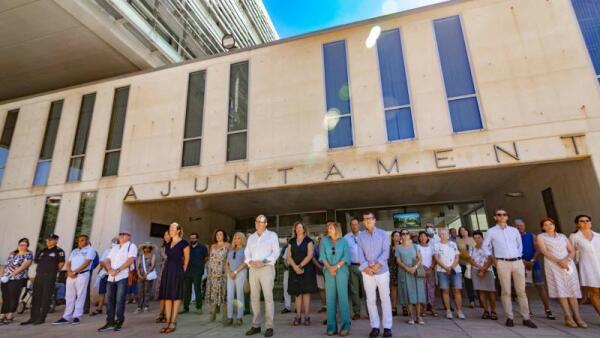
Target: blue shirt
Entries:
(197, 256)
(374, 248)
(529, 249)
(341, 252)
(234, 263)
(353, 246)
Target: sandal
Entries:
(165, 328)
(307, 321)
(297, 321)
(96, 312)
(161, 318)
(493, 316)
(486, 315)
(433, 313)
(394, 311)
(172, 327)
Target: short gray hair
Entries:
(446, 230)
(519, 221)
(262, 218)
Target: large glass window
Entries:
(460, 90)
(115, 132)
(394, 86)
(81, 137)
(237, 130)
(588, 16)
(337, 95)
(85, 216)
(192, 138)
(48, 220)
(42, 170)
(7, 134)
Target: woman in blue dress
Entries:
(335, 256)
(171, 286)
(412, 287)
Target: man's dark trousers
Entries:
(43, 288)
(193, 277)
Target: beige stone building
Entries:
(439, 114)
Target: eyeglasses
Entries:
(123, 234)
(585, 221)
(404, 233)
(368, 218)
(501, 214)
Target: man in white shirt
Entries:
(78, 276)
(102, 278)
(356, 282)
(504, 242)
(261, 253)
(118, 264)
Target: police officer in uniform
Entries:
(49, 261)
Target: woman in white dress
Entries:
(561, 272)
(587, 245)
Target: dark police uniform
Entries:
(43, 285)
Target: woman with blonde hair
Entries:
(302, 279)
(171, 286)
(236, 272)
(335, 255)
(216, 283)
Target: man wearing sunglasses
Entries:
(118, 264)
(505, 244)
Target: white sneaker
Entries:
(420, 321)
(138, 310)
(449, 314)
(461, 315)
(411, 322)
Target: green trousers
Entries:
(192, 278)
(336, 290)
(356, 285)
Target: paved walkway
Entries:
(196, 325)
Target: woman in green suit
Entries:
(335, 256)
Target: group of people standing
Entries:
(390, 271)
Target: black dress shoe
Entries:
(387, 332)
(38, 322)
(374, 333)
(253, 330)
(269, 333)
(530, 324)
(27, 322)
(510, 322)
(285, 310)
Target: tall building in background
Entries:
(51, 44)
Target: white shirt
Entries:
(78, 257)
(352, 241)
(118, 256)
(503, 243)
(259, 248)
(426, 255)
(447, 252)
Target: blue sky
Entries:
(295, 17)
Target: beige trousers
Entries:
(262, 279)
(516, 271)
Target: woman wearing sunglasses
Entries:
(587, 245)
(335, 256)
(236, 271)
(411, 276)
